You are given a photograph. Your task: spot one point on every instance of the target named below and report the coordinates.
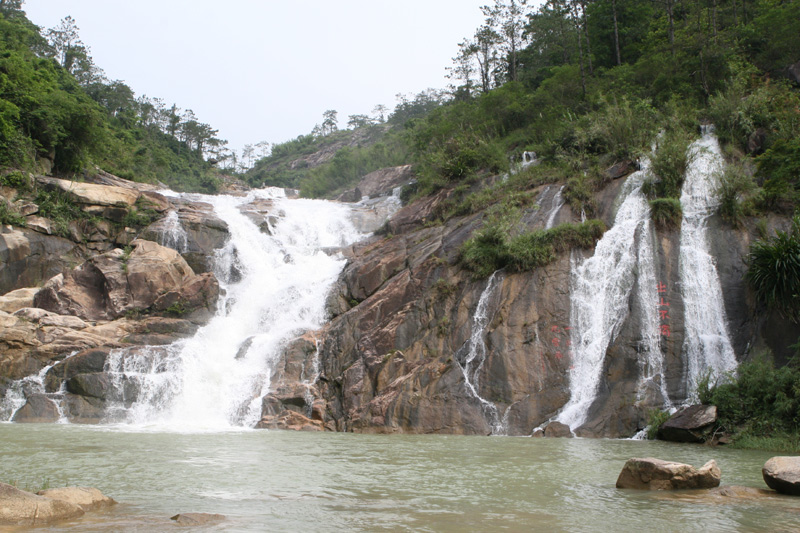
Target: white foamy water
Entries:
(216, 379)
(600, 299)
(706, 346)
(172, 234)
(472, 356)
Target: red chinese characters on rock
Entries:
(663, 310)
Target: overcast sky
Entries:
(266, 70)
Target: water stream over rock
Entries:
(274, 289)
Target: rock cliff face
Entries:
(394, 356)
(414, 344)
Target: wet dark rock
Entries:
(557, 430)
(620, 169)
(94, 385)
(38, 408)
(690, 424)
(86, 362)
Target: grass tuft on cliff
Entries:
(491, 248)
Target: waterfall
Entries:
(172, 234)
(217, 378)
(555, 207)
(472, 355)
(706, 346)
(17, 393)
(600, 289)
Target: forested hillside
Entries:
(587, 83)
(59, 113)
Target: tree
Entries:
(330, 122)
(380, 110)
(358, 121)
(507, 19)
(66, 43)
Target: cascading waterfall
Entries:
(599, 296)
(706, 346)
(217, 378)
(472, 355)
(172, 234)
(17, 393)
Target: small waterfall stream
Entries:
(707, 346)
(217, 378)
(472, 355)
(555, 207)
(172, 234)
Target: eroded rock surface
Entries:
(656, 474)
(18, 507)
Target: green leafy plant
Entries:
(655, 419)
(774, 271)
(9, 216)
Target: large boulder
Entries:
(655, 474)
(690, 424)
(17, 299)
(28, 258)
(91, 194)
(39, 408)
(18, 507)
(783, 474)
(87, 498)
(115, 283)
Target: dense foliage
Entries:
(58, 110)
(760, 407)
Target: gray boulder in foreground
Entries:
(654, 474)
(783, 474)
(18, 507)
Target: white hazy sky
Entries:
(266, 70)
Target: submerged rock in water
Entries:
(691, 424)
(783, 475)
(655, 474)
(197, 519)
(18, 507)
(87, 498)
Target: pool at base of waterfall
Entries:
(287, 481)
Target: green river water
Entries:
(286, 481)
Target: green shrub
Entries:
(666, 213)
(669, 163)
(735, 191)
(9, 216)
(59, 208)
(762, 401)
(491, 249)
(15, 179)
(774, 271)
(779, 167)
(655, 420)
